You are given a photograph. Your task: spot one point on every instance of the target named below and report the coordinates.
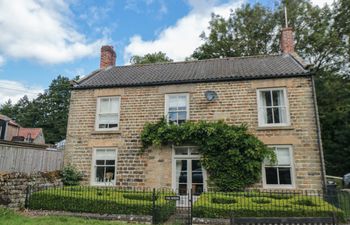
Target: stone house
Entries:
(273, 94)
(12, 131)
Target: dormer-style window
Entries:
(107, 116)
(273, 107)
(177, 107)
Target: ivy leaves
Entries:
(231, 155)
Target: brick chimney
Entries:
(108, 56)
(287, 40)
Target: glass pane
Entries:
(277, 115)
(285, 175)
(110, 162)
(269, 116)
(108, 118)
(100, 162)
(107, 154)
(182, 189)
(182, 101)
(104, 105)
(110, 172)
(173, 102)
(194, 151)
(283, 156)
(271, 175)
(181, 176)
(181, 151)
(114, 105)
(197, 189)
(278, 99)
(266, 98)
(172, 116)
(182, 115)
(99, 174)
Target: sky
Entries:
(41, 39)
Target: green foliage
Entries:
(48, 111)
(103, 201)
(334, 111)
(297, 205)
(321, 38)
(71, 176)
(156, 57)
(231, 155)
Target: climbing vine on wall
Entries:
(231, 155)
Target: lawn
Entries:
(9, 217)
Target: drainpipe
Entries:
(319, 140)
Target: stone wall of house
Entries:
(13, 186)
(236, 104)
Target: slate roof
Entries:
(34, 132)
(224, 69)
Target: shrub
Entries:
(71, 176)
(306, 202)
(261, 200)
(223, 200)
(263, 205)
(103, 201)
(231, 154)
(139, 196)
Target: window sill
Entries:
(275, 128)
(97, 132)
(279, 187)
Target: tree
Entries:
(7, 108)
(48, 111)
(248, 31)
(156, 57)
(321, 38)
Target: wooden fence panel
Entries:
(28, 158)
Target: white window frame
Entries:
(186, 157)
(166, 106)
(98, 110)
(93, 171)
(292, 172)
(261, 112)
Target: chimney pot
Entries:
(108, 56)
(287, 40)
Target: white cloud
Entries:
(180, 40)
(15, 90)
(322, 3)
(43, 31)
(2, 60)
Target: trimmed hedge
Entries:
(103, 201)
(224, 205)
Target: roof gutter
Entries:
(319, 140)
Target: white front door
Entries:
(188, 173)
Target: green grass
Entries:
(9, 217)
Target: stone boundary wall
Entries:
(114, 217)
(13, 186)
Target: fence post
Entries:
(232, 219)
(332, 194)
(191, 207)
(26, 202)
(154, 206)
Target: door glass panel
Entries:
(181, 176)
(197, 177)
